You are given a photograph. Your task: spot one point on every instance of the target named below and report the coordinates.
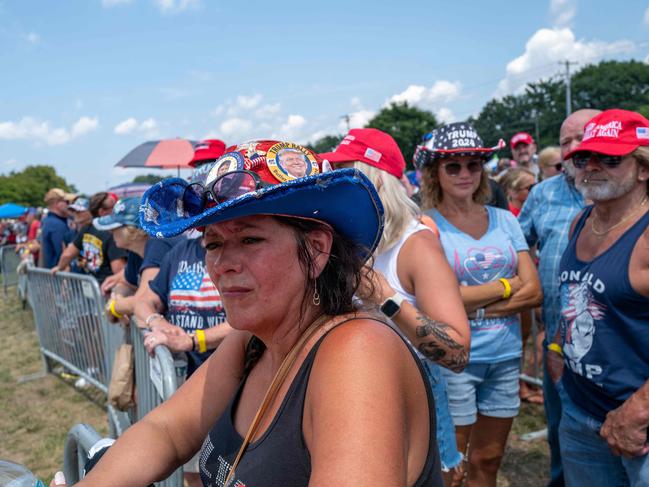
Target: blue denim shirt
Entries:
(546, 217)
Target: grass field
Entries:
(35, 416)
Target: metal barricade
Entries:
(80, 439)
(9, 261)
(72, 330)
(155, 379)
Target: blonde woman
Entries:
(417, 289)
(488, 253)
(517, 184)
(550, 162)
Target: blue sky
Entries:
(85, 81)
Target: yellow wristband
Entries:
(555, 347)
(508, 287)
(113, 312)
(200, 336)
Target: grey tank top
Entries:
(280, 458)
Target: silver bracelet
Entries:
(150, 318)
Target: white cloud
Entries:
(268, 110)
(441, 91)
(39, 130)
(113, 3)
(33, 38)
(148, 127)
(546, 48)
(83, 126)
(646, 16)
(235, 127)
(248, 102)
(445, 115)
(176, 6)
(292, 126)
(563, 12)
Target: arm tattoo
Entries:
(436, 344)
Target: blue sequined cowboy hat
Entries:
(267, 177)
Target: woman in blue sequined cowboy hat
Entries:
(307, 389)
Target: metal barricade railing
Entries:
(77, 445)
(156, 381)
(71, 327)
(9, 261)
(21, 270)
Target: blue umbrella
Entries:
(12, 210)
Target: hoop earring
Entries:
(316, 295)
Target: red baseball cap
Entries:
(521, 138)
(614, 132)
(207, 150)
(372, 147)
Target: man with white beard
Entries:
(545, 219)
(604, 289)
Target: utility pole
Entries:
(567, 64)
(346, 118)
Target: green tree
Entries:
(28, 187)
(406, 124)
(541, 108)
(325, 144)
(148, 178)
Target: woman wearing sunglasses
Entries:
(416, 287)
(307, 389)
(488, 253)
(517, 184)
(550, 162)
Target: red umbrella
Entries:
(163, 154)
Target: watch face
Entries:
(390, 308)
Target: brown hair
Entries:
(431, 189)
(96, 203)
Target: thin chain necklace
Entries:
(601, 233)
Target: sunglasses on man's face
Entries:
(455, 168)
(580, 159)
(229, 186)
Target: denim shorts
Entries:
(445, 431)
(488, 389)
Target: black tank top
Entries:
(280, 458)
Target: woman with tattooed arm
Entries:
(416, 287)
(488, 253)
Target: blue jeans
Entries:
(587, 459)
(445, 431)
(552, 404)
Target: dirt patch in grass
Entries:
(36, 415)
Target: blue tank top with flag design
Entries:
(604, 324)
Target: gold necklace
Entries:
(601, 233)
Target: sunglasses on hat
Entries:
(455, 168)
(228, 186)
(580, 159)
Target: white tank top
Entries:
(387, 261)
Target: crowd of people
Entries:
(370, 327)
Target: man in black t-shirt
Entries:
(99, 255)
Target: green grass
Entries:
(35, 416)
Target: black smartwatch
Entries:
(391, 306)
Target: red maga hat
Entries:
(207, 150)
(372, 147)
(521, 138)
(614, 132)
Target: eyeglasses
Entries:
(455, 168)
(580, 159)
(528, 188)
(229, 186)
